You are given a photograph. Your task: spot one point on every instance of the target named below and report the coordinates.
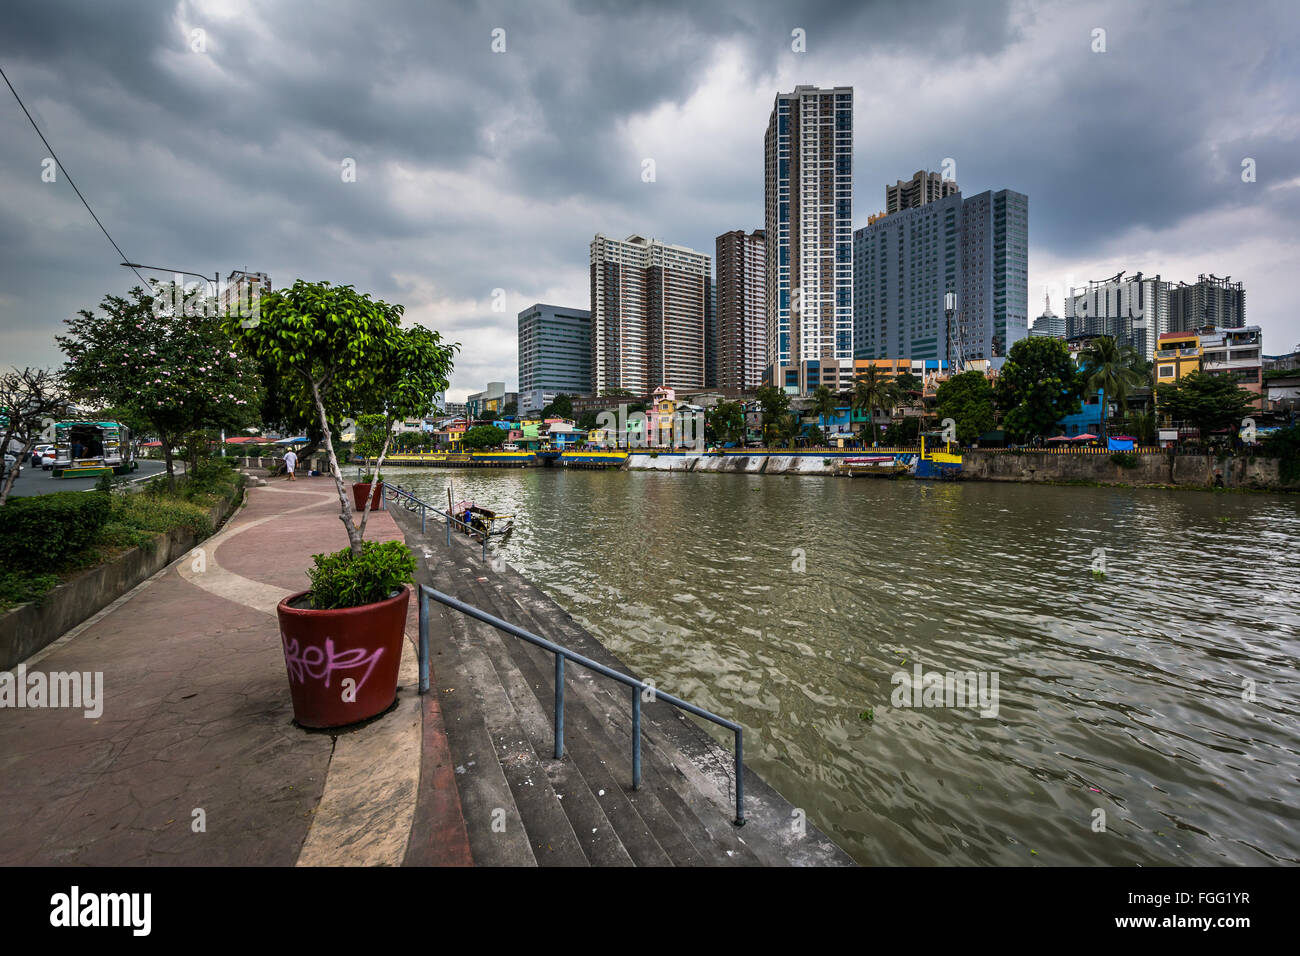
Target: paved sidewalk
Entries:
(197, 725)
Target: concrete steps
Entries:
(522, 806)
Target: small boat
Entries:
(482, 520)
(874, 466)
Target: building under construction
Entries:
(1210, 301)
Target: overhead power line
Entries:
(58, 162)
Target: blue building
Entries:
(555, 350)
(906, 262)
(1088, 420)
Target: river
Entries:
(1144, 645)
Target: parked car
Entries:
(509, 446)
(10, 461)
(43, 457)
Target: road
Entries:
(33, 481)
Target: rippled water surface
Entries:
(1121, 698)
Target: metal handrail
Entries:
(425, 509)
(561, 655)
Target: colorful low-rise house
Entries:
(562, 433)
(660, 414)
(1236, 354)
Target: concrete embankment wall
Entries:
(1191, 471)
(736, 464)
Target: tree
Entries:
(512, 408)
(279, 412)
(340, 353)
(370, 438)
(968, 400)
(1108, 367)
(726, 422)
(874, 391)
(561, 407)
(28, 400)
(787, 428)
(484, 436)
(824, 403)
(178, 372)
(908, 382)
(1206, 402)
(774, 403)
(1037, 387)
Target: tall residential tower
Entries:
(808, 218)
(651, 304)
(742, 308)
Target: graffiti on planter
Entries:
(320, 664)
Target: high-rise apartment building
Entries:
(1210, 301)
(555, 350)
(808, 226)
(905, 264)
(742, 308)
(650, 308)
(922, 188)
(1134, 311)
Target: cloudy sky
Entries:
(479, 170)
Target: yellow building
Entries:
(1177, 354)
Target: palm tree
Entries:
(1109, 369)
(789, 428)
(872, 391)
(824, 402)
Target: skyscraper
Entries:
(922, 188)
(555, 350)
(651, 303)
(1133, 311)
(905, 264)
(742, 308)
(1210, 301)
(808, 219)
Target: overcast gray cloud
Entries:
(479, 170)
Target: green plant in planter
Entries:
(342, 579)
(339, 353)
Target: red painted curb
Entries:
(438, 835)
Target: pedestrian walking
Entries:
(291, 463)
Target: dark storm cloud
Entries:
(479, 171)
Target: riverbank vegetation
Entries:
(45, 539)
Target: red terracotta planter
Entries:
(376, 497)
(342, 664)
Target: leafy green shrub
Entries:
(45, 530)
(341, 580)
(23, 587)
(1125, 459)
(214, 478)
(155, 513)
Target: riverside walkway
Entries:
(195, 759)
